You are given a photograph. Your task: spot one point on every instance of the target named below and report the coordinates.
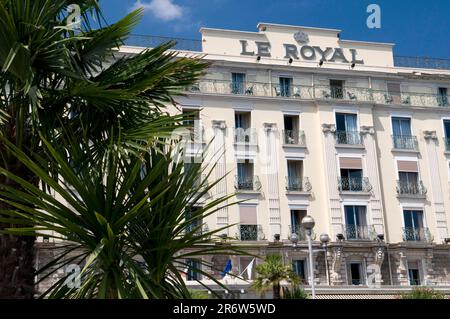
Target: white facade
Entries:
(333, 129)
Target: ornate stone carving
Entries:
(269, 127)
(367, 130)
(219, 124)
(336, 262)
(378, 255)
(328, 128)
(430, 135)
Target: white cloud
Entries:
(164, 10)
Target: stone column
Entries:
(372, 172)
(332, 177)
(436, 186)
(219, 128)
(273, 195)
(402, 266)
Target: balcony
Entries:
(348, 138)
(403, 142)
(245, 136)
(357, 232)
(251, 183)
(414, 189)
(294, 138)
(317, 92)
(299, 231)
(298, 184)
(250, 233)
(346, 184)
(422, 234)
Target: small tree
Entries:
(295, 292)
(271, 273)
(423, 293)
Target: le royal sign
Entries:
(304, 51)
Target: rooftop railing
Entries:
(421, 62)
(319, 92)
(149, 41)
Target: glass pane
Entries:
(350, 123)
(340, 122)
(350, 215)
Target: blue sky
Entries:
(419, 28)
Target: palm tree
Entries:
(271, 273)
(54, 77)
(122, 219)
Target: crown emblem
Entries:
(301, 37)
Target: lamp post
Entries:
(325, 239)
(308, 224)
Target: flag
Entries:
(249, 269)
(227, 268)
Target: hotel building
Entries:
(307, 123)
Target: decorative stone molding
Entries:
(219, 124)
(336, 262)
(379, 253)
(367, 130)
(430, 135)
(329, 128)
(270, 127)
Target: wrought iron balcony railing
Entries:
(294, 137)
(296, 184)
(251, 183)
(404, 142)
(250, 232)
(195, 134)
(318, 92)
(421, 234)
(348, 138)
(245, 136)
(299, 231)
(357, 232)
(411, 188)
(346, 184)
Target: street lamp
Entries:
(308, 224)
(325, 239)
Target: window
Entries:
(291, 130)
(237, 83)
(402, 137)
(285, 86)
(413, 273)
(245, 178)
(413, 230)
(193, 265)
(356, 223)
(337, 89)
(295, 178)
(191, 121)
(298, 266)
(347, 129)
(447, 134)
(355, 277)
(243, 132)
(442, 97)
(408, 183)
(196, 222)
(351, 180)
(248, 227)
(296, 223)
